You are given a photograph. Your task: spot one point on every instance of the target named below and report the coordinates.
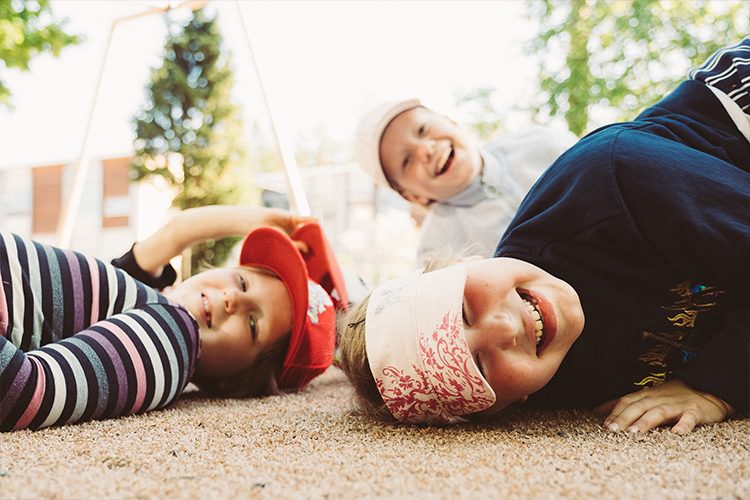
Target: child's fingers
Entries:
(634, 414)
(283, 220)
(623, 411)
(301, 219)
(605, 407)
(652, 418)
(687, 423)
(301, 246)
(665, 414)
(672, 402)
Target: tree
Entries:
(27, 29)
(485, 120)
(602, 55)
(189, 132)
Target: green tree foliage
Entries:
(189, 131)
(27, 29)
(625, 55)
(485, 120)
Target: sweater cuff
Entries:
(722, 368)
(128, 264)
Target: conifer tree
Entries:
(189, 131)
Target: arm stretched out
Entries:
(196, 225)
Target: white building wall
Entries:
(16, 201)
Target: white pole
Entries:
(73, 202)
(297, 198)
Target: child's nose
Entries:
(426, 150)
(230, 301)
(500, 329)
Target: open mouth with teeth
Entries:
(207, 310)
(533, 307)
(445, 161)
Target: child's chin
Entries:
(463, 177)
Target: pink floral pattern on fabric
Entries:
(446, 388)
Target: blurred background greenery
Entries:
(598, 62)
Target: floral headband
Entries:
(418, 352)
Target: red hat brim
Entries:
(270, 248)
(321, 263)
(310, 345)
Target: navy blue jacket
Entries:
(649, 221)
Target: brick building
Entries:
(114, 211)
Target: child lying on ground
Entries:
(621, 284)
(81, 339)
(471, 193)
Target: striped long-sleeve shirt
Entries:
(82, 340)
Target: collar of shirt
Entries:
(492, 182)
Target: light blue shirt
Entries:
(473, 221)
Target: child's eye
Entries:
(253, 328)
(422, 129)
(479, 365)
(463, 313)
(243, 284)
(406, 162)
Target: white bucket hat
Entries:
(370, 130)
(418, 352)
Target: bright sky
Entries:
(321, 63)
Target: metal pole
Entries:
(73, 202)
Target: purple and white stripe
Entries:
(82, 340)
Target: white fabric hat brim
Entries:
(369, 132)
(418, 352)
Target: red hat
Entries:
(313, 339)
(322, 266)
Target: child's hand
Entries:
(199, 224)
(282, 219)
(671, 402)
(287, 222)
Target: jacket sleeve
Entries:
(700, 226)
(722, 368)
(130, 363)
(688, 192)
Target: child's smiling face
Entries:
(240, 311)
(426, 157)
(519, 323)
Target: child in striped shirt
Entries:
(81, 339)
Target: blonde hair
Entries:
(354, 361)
